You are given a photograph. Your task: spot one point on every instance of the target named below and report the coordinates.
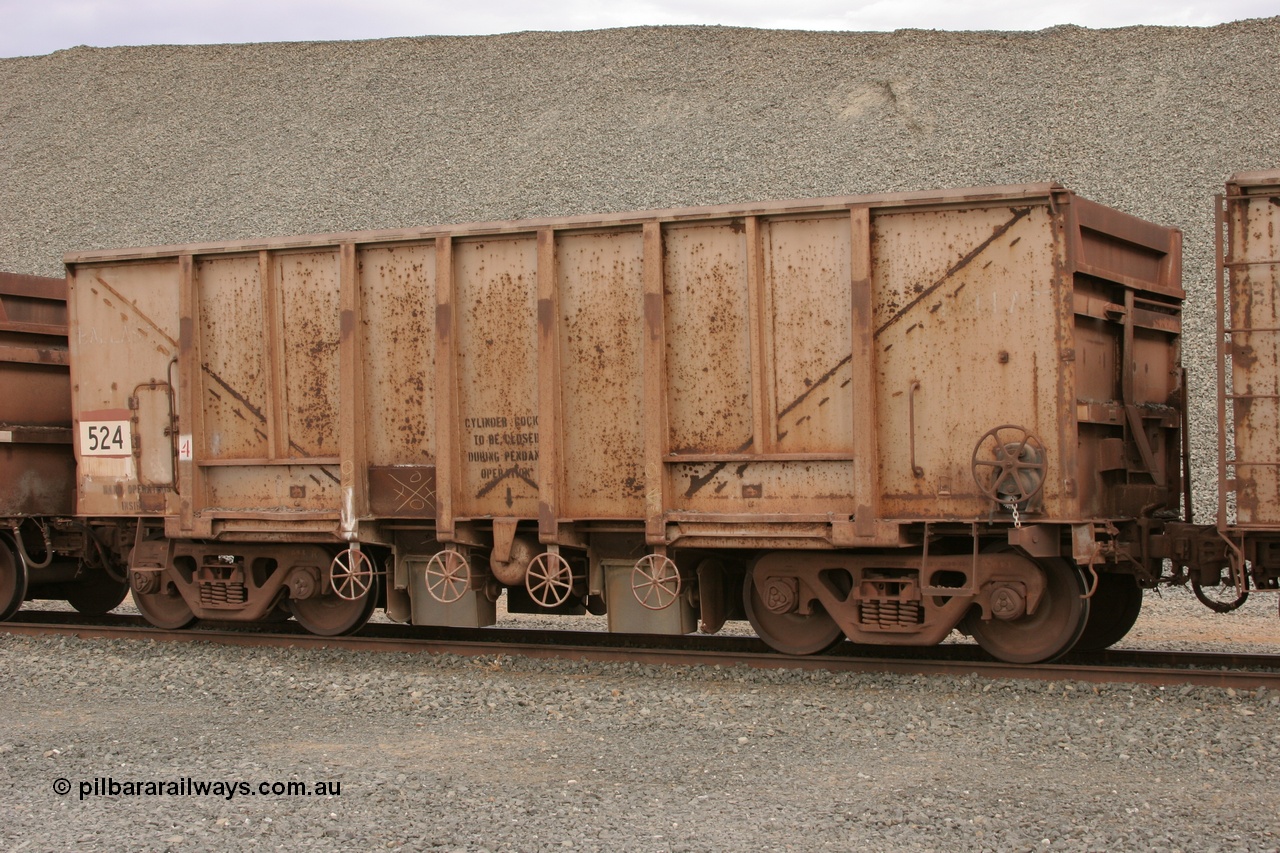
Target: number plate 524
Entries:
(105, 438)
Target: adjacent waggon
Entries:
(879, 418)
(1248, 288)
(46, 551)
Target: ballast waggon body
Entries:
(675, 417)
(875, 417)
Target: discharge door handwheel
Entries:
(351, 575)
(1008, 465)
(549, 580)
(655, 582)
(447, 576)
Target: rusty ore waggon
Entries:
(880, 418)
(1248, 288)
(47, 553)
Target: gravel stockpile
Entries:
(144, 146)
(511, 755)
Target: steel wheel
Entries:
(1112, 611)
(549, 580)
(655, 582)
(95, 592)
(1048, 633)
(166, 609)
(789, 633)
(333, 616)
(13, 581)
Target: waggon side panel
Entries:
(758, 358)
(268, 326)
(808, 328)
(124, 342)
(964, 303)
(33, 352)
(495, 317)
(708, 336)
(1252, 347)
(235, 379)
(397, 336)
(600, 299)
(309, 331)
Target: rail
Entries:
(1239, 671)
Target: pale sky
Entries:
(33, 27)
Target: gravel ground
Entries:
(1173, 619)
(508, 754)
(155, 145)
(443, 753)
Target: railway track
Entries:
(1241, 671)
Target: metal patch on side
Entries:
(402, 491)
